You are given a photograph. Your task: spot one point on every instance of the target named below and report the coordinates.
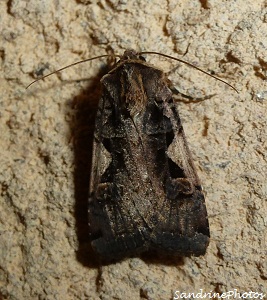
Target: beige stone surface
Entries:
(46, 136)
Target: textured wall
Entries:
(46, 134)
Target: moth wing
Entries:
(116, 227)
(185, 229)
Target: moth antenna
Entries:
(76, 63)
(187, 63)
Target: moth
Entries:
(145, 193)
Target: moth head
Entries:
(131, 54)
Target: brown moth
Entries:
(144, 190)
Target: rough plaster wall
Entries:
(46, 139)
